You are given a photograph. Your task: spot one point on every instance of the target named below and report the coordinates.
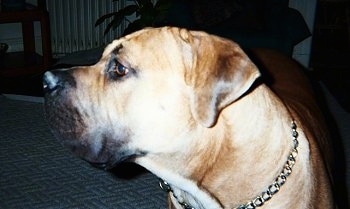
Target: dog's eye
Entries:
(120, 69)
(116, 70)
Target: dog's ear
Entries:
(220, 73)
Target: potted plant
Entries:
(148, 14)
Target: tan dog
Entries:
(190, 108)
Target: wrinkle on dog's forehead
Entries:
(141, 37)
(118, 42)
(111, 47)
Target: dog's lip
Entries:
(108, 165)
(103, 166)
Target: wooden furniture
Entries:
(28, 62)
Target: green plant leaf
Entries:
(133, 26)
(118, 17)
(147, 14)
(117, 22)
(129, 10)
(104, 17)
(113, 23)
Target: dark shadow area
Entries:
(128, 170)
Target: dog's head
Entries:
(149, 93)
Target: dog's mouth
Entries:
(103, 166)
(109, 165)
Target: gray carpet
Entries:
(37, 172)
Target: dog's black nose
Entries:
(50, 81)
(57, 79)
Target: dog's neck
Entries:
(183, 199)
(231, 170)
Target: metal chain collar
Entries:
(167, 188)
(272, 188)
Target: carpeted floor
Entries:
(37, 172)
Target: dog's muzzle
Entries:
(75, 121)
